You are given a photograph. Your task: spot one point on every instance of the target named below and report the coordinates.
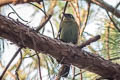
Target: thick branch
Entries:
(101, 3)
(108, 7)
(22, 35)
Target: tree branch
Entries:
(108, 7)
(19, 34)
(101, 3)
(4, 2)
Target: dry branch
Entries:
(108, 7)
(4, 2)
(19, 33)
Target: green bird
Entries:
(69, 34)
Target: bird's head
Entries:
(68, 16)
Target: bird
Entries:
(69, 34)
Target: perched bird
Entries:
(69, 34)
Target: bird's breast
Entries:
(69, 32)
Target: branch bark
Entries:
(100, 3)
(108, 7)
(23, 35)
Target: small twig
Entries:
(81, 75)
(107, 41)
(62, 19)
(61, 60)
(46, 16)
(111, 17)
(14, 56)
(77, 75)
(41, 26)
(16, 13)
(52, 29)
(19, 66)
(73, 72)
(10, 14)
(29, 56)
(91, 40)
(35, 48)
(48, 68)
(39, 66)
(76, 12)
(118, 4)
(38, 8)
(86, 20)
(44, 6)
(8, 72)
(116, 8)
(16, 21)
(61, 68)
(64, 10)
(113, 21)
(114, 58)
